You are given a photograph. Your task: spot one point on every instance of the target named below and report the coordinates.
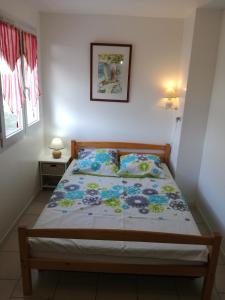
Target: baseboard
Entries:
(19, 216)
(209, 225)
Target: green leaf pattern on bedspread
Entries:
(133, 197)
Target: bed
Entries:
(106, 224)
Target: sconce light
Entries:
(171, 99)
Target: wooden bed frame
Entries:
(206, 270)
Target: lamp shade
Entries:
(56, 144)
(171, 93)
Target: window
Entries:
(19, 93)
(11, 76)
(30, 77)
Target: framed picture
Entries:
(110, 72)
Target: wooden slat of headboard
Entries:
(119, 145)
(163, 151)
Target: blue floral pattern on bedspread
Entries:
(134, 197)
(121, 203)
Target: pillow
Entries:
(102, 162)
(140, 165)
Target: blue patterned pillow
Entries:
(102, 162)
(140, 165)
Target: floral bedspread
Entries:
(85, 201)
(118, 195)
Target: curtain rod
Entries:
(16, 23)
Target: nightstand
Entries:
(51, 170)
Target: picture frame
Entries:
(110, 66)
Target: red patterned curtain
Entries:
(30, 70)
(10, 62)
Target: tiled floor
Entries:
(86, 286)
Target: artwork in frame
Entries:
(110, 72)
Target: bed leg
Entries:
(212, 264)
(24, 261)
(26, 280)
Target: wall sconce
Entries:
(171, 98)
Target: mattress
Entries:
(85, 201)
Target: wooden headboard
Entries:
(163, 151)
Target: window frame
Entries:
(6, 142)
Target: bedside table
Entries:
(51, 170)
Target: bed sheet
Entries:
(85, 201)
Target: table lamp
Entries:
(56, 145)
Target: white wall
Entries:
(212, 174)
(20, 11)
(197, 100)
(19, 163)
(188, 32)
(65, 52)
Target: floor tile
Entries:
(106, 278)
(43, 284)
(44, 196)
(78, 277)
(6, 288)
(163, 284)
(11, 242)
(215, 296)
(24, 298)
(36, 207)
(118, 287)
(69, 291)
(27, 220)
(190, 297)
(158, 296)
(220, 279)
(77, 286)
(10, 265)
(189, 287)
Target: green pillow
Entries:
(140, 165)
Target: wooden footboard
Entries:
(29, 262)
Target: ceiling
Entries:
(142, 8)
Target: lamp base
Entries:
(56, 154)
